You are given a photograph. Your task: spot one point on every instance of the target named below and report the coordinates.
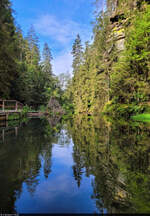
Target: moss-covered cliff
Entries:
(113, 75)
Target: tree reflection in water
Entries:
(118, 155)
(20, 160)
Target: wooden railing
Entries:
(6, 131)
(10, 105)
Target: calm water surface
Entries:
(83, 166)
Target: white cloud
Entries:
(62, 63)
(62, 33)
(48, 25)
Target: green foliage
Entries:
(138, 50)
(8, 49)
(77, 54)
(130, 74)
(47, 58)
(33, 54)
(142, 117)
(13, 116)
(91, 80)
(25, 110)
(42, 108)
(113, 76)
(22, 75)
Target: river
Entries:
(85, 165)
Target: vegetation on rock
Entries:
(110, 74)
(113, 76)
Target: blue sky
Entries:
(56, 22)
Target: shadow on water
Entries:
(117, 155)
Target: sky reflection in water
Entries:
(86, 165)
(59, 192)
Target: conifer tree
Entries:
(47, 58)
(33, 54)
(8, 65)
(77, 52)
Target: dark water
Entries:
(82, 166)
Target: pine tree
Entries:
(33, 54)
(47, 58)
(77, 52)
(8, 47)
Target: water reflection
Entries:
(86, 165)
(20, 161)
(117, 154)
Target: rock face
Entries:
(55, 107)
(118, 32)
(118, 19)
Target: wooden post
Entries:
(3, 106)
(16, 131)
(6, 123)
(16, 105)
(3, 135)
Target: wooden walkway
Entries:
(6, 131)
(10, 111)
(9, 106)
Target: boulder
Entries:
(54, 106)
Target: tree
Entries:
(8, 47)
(47, 58)
(33, 53)
(77, 52)
(130, 80)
